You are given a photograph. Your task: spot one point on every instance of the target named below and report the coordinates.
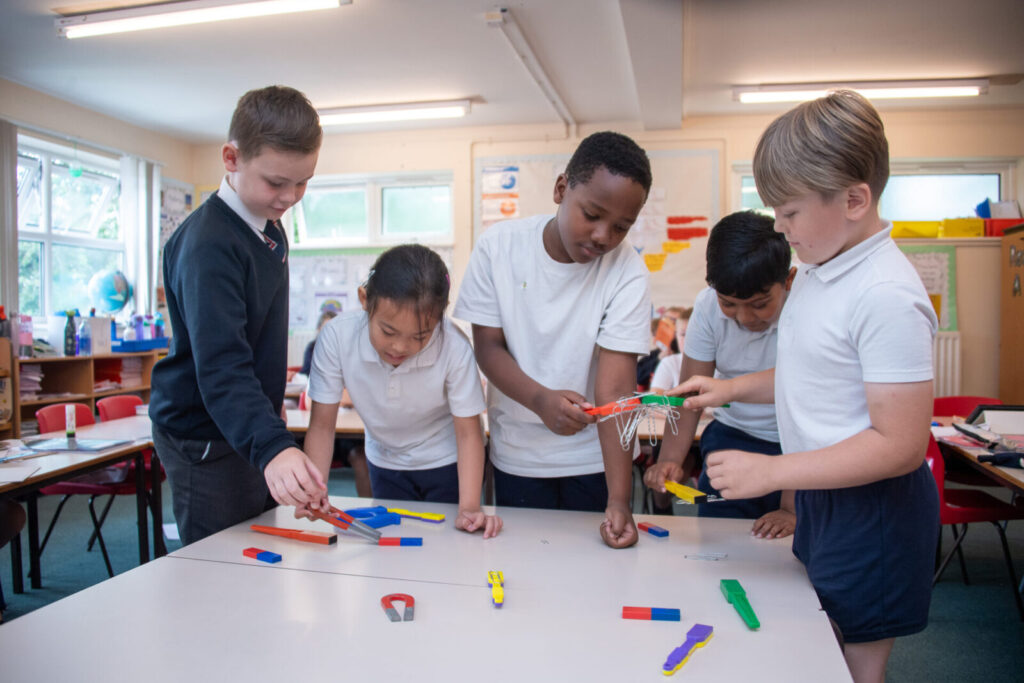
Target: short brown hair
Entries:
(822, 146)
(277, 117)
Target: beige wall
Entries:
(36, 110)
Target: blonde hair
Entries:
(822, 146)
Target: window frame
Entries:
(373, 186)
(1005, 168)
(46, 235)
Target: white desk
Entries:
(208, 613)
(137, 432)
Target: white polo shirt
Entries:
(554, 317)
(666, 375)
(862, 317)
(407, 410)
(713, 336)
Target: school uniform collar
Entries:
(426, 357)
(850, 258)
(234, 202)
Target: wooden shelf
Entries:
(77, 375)
(54, 399)
(122, 390)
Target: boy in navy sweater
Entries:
(217, 396)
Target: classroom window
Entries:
(69, 225)
(916, 190)
(345, 211)
(933, 197)
(425, 210)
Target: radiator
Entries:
(946, 363)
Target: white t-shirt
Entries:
(862, 317)
(554, 317)
(713, 336)
(666, 375)
(407, 410)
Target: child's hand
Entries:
(294, 480)
(775, 524)
(707, 392)
(618, 529)
(739, 474)
(562, 412)
(474, 520)
(655, 476)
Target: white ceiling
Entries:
(635, 63)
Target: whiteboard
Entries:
(686, 183)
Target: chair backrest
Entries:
(303, 401)
(116, 407)
(947, 406)
(51, 418)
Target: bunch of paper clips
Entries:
(629, 412)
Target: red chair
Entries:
(304, 402)
(962, 406)
(111, 481)
(948, 406)
(965, 506)
(116, 407)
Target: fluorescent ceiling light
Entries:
(181, 14)
(411, 111)
(873, 90)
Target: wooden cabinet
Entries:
(8, 393)
(73, 379)
(1011, 296)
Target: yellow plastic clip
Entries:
(685, 493)
(496, 580)
(435, 517)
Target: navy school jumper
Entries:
(227, 296)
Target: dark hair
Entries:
(745, 255)
(277, 117)
(409, 274)
(616, 152)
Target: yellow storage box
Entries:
(916, 228)
(962, 227)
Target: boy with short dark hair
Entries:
(852, 383)
(733, 331)
(217, 396)
(560, 307)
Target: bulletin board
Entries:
(936, 264)
(330, 278)
(670, 234)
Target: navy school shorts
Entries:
(870, 553)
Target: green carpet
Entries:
(974, 634)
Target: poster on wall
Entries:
(936, 265)
(330, 278)
(670, 234)
(499, 193)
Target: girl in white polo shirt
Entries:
(414, 381)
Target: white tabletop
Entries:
(208, 613)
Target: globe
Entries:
(109, 291)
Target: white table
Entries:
(206, 612)
(136, 432)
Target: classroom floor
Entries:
(975, 633)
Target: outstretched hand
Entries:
(294, 480)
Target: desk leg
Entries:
(156, 502)
(32, 503)
(16, 577)
(140, 507)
